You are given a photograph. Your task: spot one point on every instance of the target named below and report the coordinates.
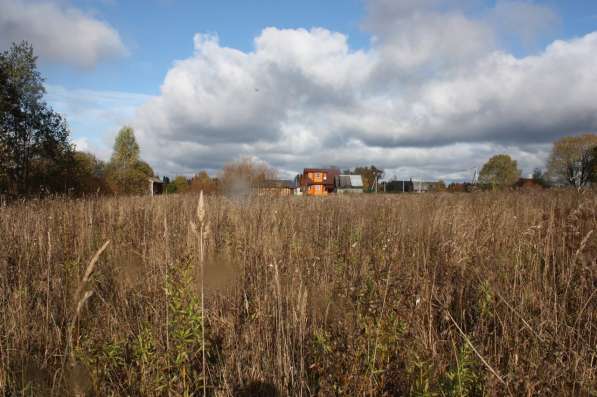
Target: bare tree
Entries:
(571, 160)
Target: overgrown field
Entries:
(434, 294)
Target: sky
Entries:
(425, 89)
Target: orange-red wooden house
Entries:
(318, 181)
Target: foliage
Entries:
(439, 186)
(185, 331)
(35, 152)
(571, 160)
(540, 177)
(238, 177)
(499, 172)
(127, 173)
(89, 174)
(180, 184)
(370, 175)
(126, 149)
(126, 180)
(144, 168)
(463, 379)
(202, 182)
(170, 188)
(422, 383)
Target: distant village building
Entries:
(527, 184)
(156, 186)
(422, 187)
(276, 187)
(318, 181)
(409, 186)
(398, 186)
(348, 184)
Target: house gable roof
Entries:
(349, 181)
(277, 184)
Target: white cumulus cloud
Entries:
(59, 33)
(433, 96)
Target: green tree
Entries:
(127, 180)
(144, 168)
(181, 184)
(571, 160)
(126, 149)
(170, 188)
(35, 152)
(126, 172)
(89, 175)
(499, 172)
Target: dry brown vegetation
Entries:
(439, 294)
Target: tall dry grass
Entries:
(446, 294)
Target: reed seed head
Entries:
(201, 208)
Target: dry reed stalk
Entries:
(81, 297)
(48, 261)
(468, 341)
(519, 316)
(443, 241)
(383, 309)
(200, 235)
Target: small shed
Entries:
(276, 187)
(156, 186)
(348, 184)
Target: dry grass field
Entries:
(424, 295)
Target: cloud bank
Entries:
(432, 97)
(58, 33)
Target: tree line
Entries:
(36, 154)
(572, 162)
(38, 158)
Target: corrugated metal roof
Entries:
(342, 181)
(349, 181)
(356, 181)
(278, 183)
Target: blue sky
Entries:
(158, 32)
(406, 84)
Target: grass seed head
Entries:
(201, 208)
